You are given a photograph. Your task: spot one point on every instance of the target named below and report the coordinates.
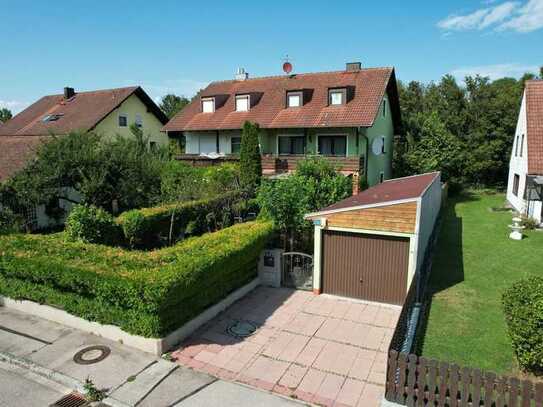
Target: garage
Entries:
(371, 246)
(362, 266)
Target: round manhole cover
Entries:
(92, 354)
(241, 329)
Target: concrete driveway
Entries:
(319, 349)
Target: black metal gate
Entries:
(297, 270)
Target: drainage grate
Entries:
(241, 329)
(91, 354)
(71, 400)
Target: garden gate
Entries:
(297, 269)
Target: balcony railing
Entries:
(278, 164)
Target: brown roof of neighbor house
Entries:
(397, 189)
(15, 151)
(365, 89)
(20, 135)
(534, 121)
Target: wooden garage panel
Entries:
(392, 218)
(368, 267)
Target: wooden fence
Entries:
(418, 381)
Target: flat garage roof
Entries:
(397, 189)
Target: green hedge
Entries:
(145, 293)
(523, 307)
(150, 227)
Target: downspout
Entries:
(217, 140)
(366, 158)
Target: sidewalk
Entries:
(40, 354)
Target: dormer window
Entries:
(242, 103)
(337, 97)
(208, 105)
(294, 99)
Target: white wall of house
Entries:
(518, 165)
(427, 212)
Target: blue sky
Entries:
(179, 47)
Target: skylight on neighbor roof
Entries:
(51, 117)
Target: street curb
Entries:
(49, 374)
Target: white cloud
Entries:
(529, 18)
(14, 105)
(495, 71)
(510, 15)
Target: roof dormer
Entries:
(340, 95)
(211, 103)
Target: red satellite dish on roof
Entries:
(287, 67)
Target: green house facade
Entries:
(349, 117)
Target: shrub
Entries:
(9, 222)
(89, 224)
(523, 307)
(529, 223)
(152, 227)
(144, 293)
(249, 157)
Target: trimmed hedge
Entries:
(150, 227)
(144, 293)
(523, 307)
(89, 224)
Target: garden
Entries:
(152, 242)
(485, 306)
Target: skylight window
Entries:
(51, 117)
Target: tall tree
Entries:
(5, 115)
(172, 104)
(249, 157)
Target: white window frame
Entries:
(139, 121)
(241, 97)
(119, 119)
(212, 100)
(294, 95)
(334, 135)
(336, 92)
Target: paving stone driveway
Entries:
(318, 349)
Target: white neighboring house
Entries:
(525, 183)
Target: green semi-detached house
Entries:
(350, 117)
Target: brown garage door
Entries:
(367, 267)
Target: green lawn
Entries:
(474, 262)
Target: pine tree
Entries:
(250, 160)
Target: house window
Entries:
(208, 105)
(336, 97)
(291, 144)
(152, 145)
(242, 103)
(521, 145)
(381, 177)
(516, 146)
(294, 99)
(235, 145)
(139, 121)
(333, 145)
(516, 181)
(383, 145)
(384, 107)
(123, 120)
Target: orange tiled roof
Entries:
(369, 87)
